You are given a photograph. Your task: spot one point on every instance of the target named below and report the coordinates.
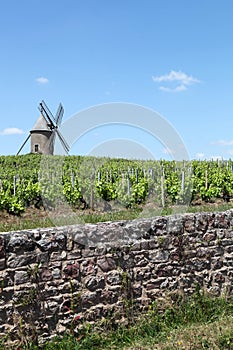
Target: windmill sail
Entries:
(63, 141)
(59, 115)
(23, 144)
(44, 131)
(45, 111)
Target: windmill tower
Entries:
(45, 130)
(42, 138)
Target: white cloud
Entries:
(230, 151)
(180, 78)
(176, 89)
(177, 76)
(11, 131)
(42, 80)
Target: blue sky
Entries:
(172, 56)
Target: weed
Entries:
(225, 340)
(128, 299)
(161, 241)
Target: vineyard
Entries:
(107, 184)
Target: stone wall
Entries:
(52, 279)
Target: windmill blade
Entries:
(45, 111)
(23, 144)
(63, 141)
(59, 115)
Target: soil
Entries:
(30, 214)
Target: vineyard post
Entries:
(162, 189)
(182, 181)
(72, 179)
(152, 173)
(92, 178)
(206, 179)
(14, 184)
(128, 185)
(99, 176)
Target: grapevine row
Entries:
(35, 180)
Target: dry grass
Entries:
(216, 335)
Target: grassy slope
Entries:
(215, 336)
(187, 323)
(33, 218)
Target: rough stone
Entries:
(14, 261)
(20, 242)
(51, 241)
(2, 264)
(202, 222)
(93, 283)
(107, 264)
(113, 278)
(189, 224)
(21, 277)
(56, 273)
(51, 279)
(46, 274)
(174, 225)
(71, 270)
(159, 256)
(88, 267)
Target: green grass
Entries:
(21, 222)
(197, 322)
(210, 207)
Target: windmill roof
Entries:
(40, 124)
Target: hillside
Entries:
(36, 189)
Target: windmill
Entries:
(44, 131)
